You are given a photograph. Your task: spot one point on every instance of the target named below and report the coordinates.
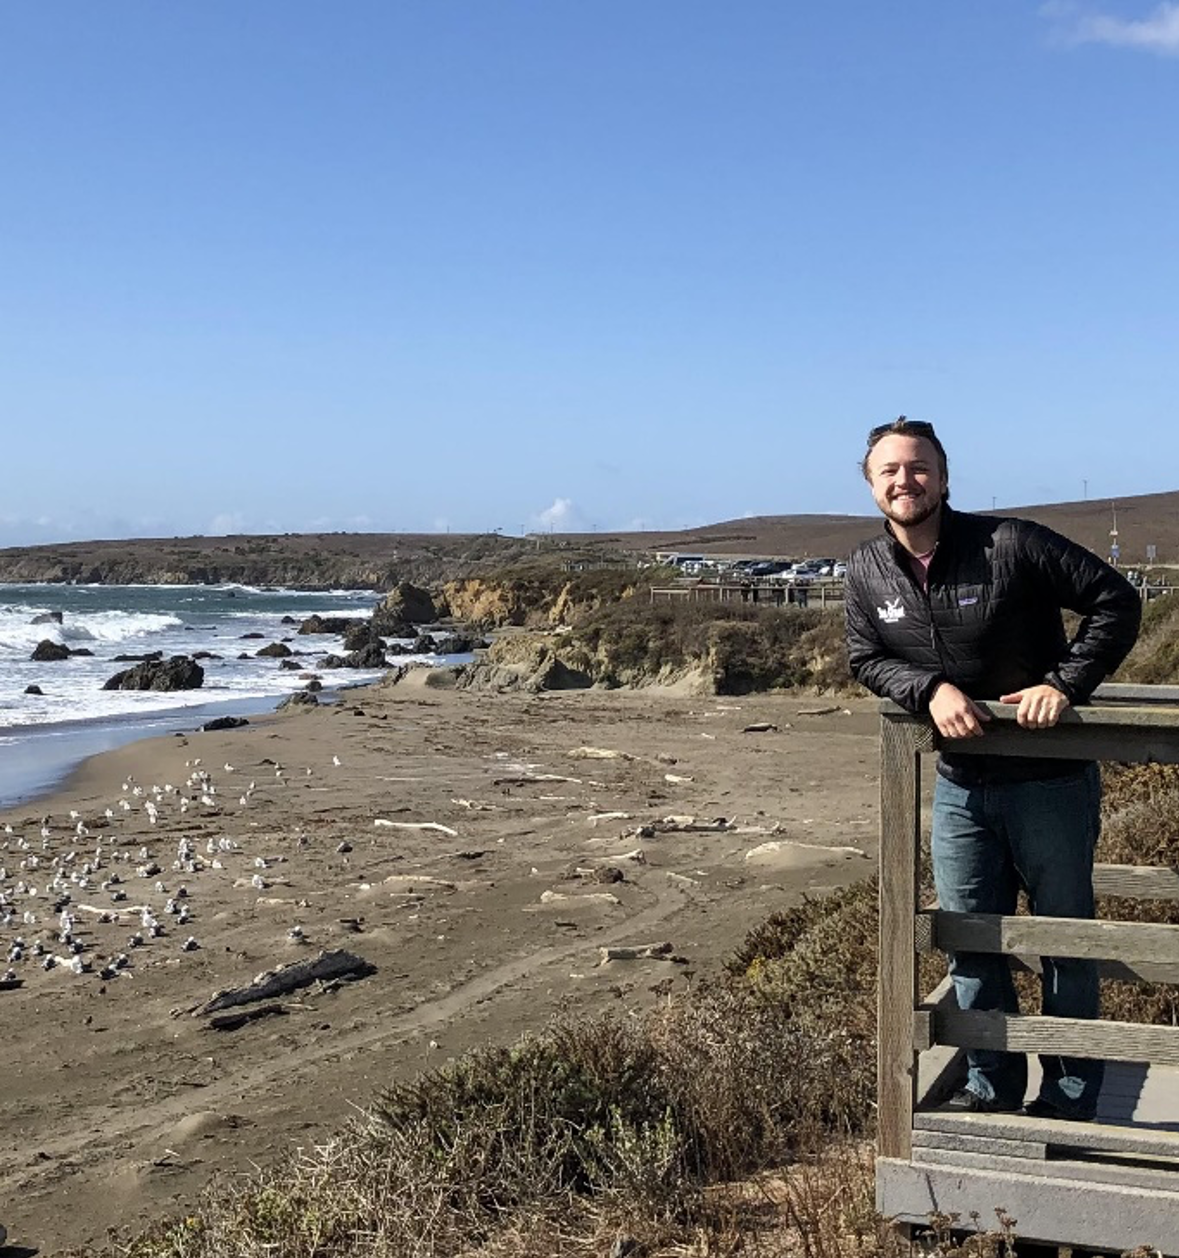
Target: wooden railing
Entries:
(1126, 724)
(1112, 1184)
(768, 593)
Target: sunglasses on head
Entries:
(902, 426)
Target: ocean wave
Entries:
(18, 635)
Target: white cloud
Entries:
(561, 517)
(1158, 32)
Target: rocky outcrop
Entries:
(47, 651)
(359, 634)
(531, 662)
(426, 676)
(34, 690)
(534, 600)
(178, 673)
(406, 604)
(459, 644)
(490, 604)
(300, 699)
(276, 650)
(47, 618)
(326, 624)
(369, 657)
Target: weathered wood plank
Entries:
(996, 1146)
(1076, 1037)
(1115, 732)
(1140, 882)
(1119, 971)
(900, 820)
(1056, 937)
(1134, 744)
(1119, 716)
(941, 1069)
(1105, 1137)
(1089, 1171)
(1130, 692)
(1102, 1216)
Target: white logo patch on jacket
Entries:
(891, 612)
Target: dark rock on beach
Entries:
(406, 604)
(138, 659)
(252, 635)
(300, 699)
(359, 634)
(370, 657)
(178, 673)
(224, 722)
(459, 644)
(276, 650)
(326, 624)
(34, 690)
(46, 651)
(292, 663)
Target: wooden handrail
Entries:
(1021, 1033)
(1055, 937)
(1124, 723)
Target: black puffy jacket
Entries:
(990, 623)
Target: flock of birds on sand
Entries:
(57, 885)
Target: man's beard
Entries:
(925, 511)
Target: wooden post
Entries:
(900, 820)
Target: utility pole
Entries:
(1085, 483)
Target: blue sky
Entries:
(288, 265)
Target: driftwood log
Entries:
(336, 964)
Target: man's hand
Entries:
(954, 714)
(1039, 706)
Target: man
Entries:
(944, 608)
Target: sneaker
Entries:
(964, 1101)
(1043, 1108)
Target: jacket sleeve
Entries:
(1108, 603)
(873, 666)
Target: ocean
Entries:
(42, 737)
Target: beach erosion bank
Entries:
(476, 849)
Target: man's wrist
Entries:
(1057, 683)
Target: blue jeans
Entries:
(988, 841)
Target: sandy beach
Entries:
(476, 849)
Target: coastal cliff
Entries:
(537, 597)
(313, 561)
(705, 650)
